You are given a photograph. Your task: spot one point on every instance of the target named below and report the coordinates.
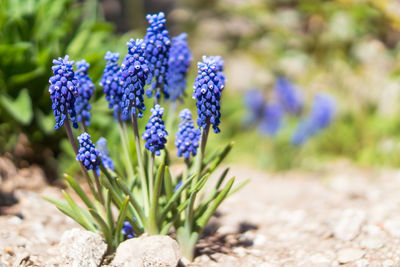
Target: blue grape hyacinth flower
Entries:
(134, 75)
(188, 136)
(320, 116)
(85, 92)
(88, 155)
(155, 132)
(112, 83)
(63, 91)
(208, 86)
(127, 230)
(105, 153)
(272, 118)
(179, 61)
(289, 95)
(255, 102)
(158, 44)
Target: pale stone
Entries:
(347, 255)
(149, 251)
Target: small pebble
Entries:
(347, 255)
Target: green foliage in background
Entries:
(32, 34)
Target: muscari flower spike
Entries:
(320, 116)
(88, 155)
(85, 92)
(272, 118)
(112, 83)
(105, 153)
(63, 91)
(134, 74)
(179, 61)
(155, 132)
(187, 137)
(289, 95)
(208, 86)
(158, 45)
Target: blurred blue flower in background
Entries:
(272, 117)
(111, 83)
(255, 103)
(179, 61)
(289, 96)
(105, 153)
(85, 92)
(320, 116)
(127, 230)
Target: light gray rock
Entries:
(347, 255)
(149, 251)
(393, 227)
(349, 224)
(81, 248)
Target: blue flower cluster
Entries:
(127, 230)
(187, 137)
(289, 96)
(85, 92)
(272, 118)
(104, 153)
(178, 66)
(155, 132)
(320, 116)
(208, 86)
(63, 91)
(88, 155)
(158, 45)
(111, 82)
(134, 75)
(255, 102)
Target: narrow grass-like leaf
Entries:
(219, 158)
(237, 188)
(120, 221)
(132, 200)
(168, 183)
(110, 218)
(175, 197)
(79, 191)
(155, 197)
(77, 211)
(202, 221)
(103, 226)
(64, 208)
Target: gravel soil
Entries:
(341, 215)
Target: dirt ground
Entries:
(341, 215)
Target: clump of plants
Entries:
(148, 197)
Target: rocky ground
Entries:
(339, 216)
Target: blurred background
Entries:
(309, 82)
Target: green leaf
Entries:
(132, 200)
(103, 226)
(168, 183)
(78, 190)
(218, 158)
(120, 221)
(20, 108)
(155, 198)
(77, 210)
(202, 221)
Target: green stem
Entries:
(200, 156)
(99, 192)
(150, 176)
(142, 171)
(125, 147)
